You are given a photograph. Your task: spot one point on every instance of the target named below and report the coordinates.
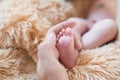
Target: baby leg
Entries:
(101, 32)
(65, 45)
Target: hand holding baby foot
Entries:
(48, 66)
(69, 42)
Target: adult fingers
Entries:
(52, 32)
(57, 28)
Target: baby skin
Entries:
(65, 45)
(102, 32)
(97, 29)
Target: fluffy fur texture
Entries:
(98, 64)
(23, 25)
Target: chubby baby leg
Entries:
(65, 45)
(101, 32)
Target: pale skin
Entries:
(118, 18)
(62, 41)
(49, 67)
(97, 29)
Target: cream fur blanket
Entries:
(23, 24)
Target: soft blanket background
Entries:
(23, 24)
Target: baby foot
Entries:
(65, 46)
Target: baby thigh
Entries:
(101, 32)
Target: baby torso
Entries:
(101, 9)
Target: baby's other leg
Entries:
(101, 32)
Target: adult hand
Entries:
(50, 38)
(48, 66)
(52, 32)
